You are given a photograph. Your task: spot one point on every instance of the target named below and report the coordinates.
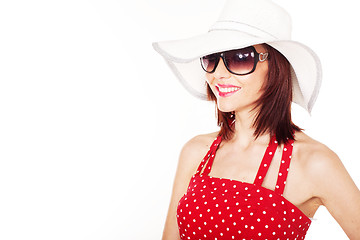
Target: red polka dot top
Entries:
(218, 208)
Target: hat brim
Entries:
(183, 58)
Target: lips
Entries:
(226, 90)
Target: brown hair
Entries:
(274, 105)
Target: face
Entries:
(235, 92)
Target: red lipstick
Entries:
(226, 90)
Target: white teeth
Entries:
(227, 90)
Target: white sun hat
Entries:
(244, 23)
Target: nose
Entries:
(221, 70)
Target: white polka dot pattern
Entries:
(218, 208)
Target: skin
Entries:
(316, 175)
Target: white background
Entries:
(92, 120)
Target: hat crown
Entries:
(259, 17)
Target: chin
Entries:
(226, 107)
(231, 106)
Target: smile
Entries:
(226, 90)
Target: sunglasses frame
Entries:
(259, 57)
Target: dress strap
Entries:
(284, 167)
(209, 158)
(265, 163)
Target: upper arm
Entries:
(190, 157)
(337, 191)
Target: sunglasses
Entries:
(239, 61)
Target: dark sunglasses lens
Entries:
(240, 61)
(208, 62)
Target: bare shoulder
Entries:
(328, 180)
(191, 155)
(200, 141)
(313, 155)
(195, 149)
(321, 168)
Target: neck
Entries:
(244, 130)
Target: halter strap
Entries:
(284, 167)
(207, 162)
(266, 161)
(209, 157)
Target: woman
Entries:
(260, 176)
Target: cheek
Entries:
(209, 78)
(209, 81)
(256, 89)
(259, 80)
(263, 73)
